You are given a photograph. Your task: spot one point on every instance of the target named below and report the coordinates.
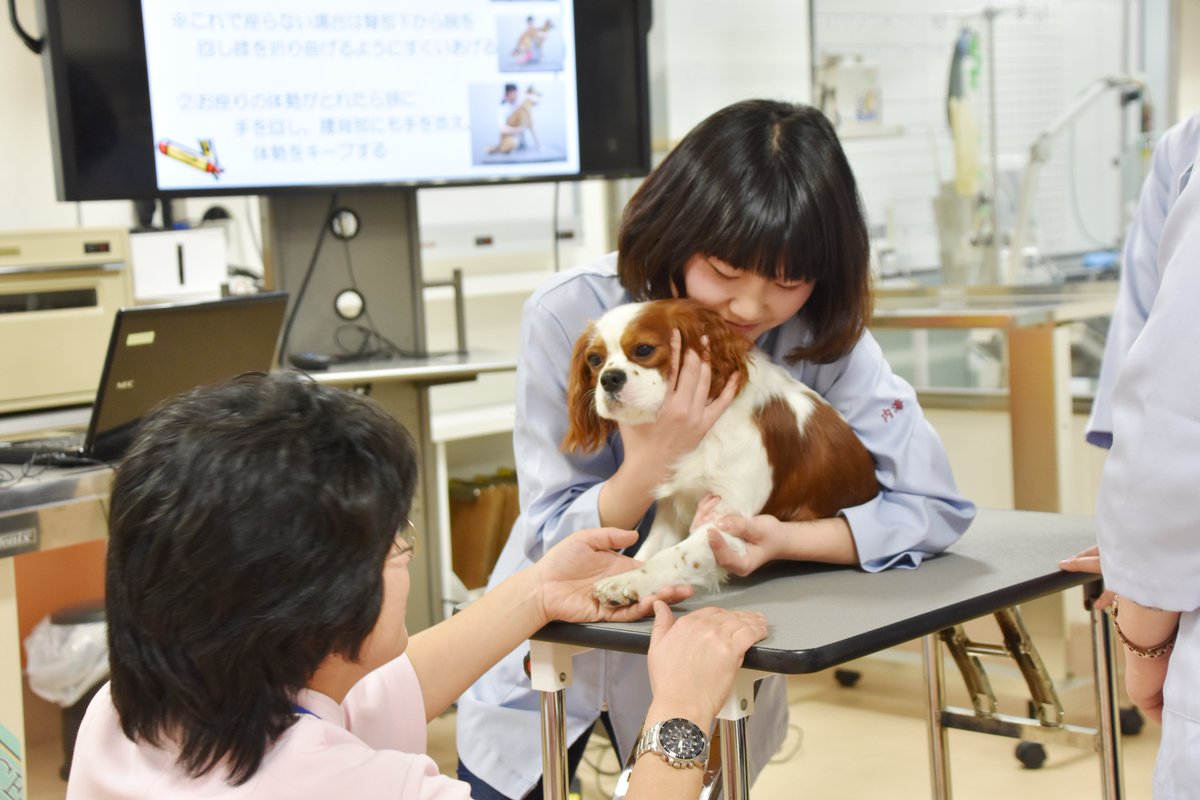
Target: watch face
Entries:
(681, 739)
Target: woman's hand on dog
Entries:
(767, 538)
(683, 419)
(759, 533)
(567, 574)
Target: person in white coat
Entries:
(1148, 525)
(1140, 276)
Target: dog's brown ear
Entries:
(728, 351)
(586, 430)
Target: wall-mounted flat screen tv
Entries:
(162, 98)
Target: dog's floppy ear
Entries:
(728, 351)
(586, 430)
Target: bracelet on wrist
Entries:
(1161, 649)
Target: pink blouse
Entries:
(371, 746)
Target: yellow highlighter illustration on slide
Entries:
(205, 160)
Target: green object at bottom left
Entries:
(12, 776)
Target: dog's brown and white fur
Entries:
(778, 449)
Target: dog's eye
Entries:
(594, 360)
(643, 351)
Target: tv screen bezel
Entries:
(72, 186)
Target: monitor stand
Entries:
(377, 251)
(317, 246)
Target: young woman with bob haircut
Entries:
(755, 214)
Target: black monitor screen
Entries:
(157, 98)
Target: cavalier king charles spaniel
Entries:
(779, 448)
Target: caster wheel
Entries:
(846, 677)
(1031, 754)
(1131, 721)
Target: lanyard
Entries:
(299, 709)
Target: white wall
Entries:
(707, 54)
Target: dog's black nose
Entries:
(612, 380)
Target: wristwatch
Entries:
(677, 741)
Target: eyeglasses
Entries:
(405, 541)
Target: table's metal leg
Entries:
(732, 724)
(1020, 647)
(1104, 662)
(550, 673)
(733, 752)
(554, 748)
(939, 742)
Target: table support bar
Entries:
(1104, 663)
(935, 691)
(550, 673)
(1048, 726)
(554, 747)
(733, 753)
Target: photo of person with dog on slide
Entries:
(518, 123)
(530, 43)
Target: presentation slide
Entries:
(288, 93)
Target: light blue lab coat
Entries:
(919, 512)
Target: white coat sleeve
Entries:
(1148, 526)
(1139, 273)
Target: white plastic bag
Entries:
(64, 661)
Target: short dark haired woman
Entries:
(256, 591)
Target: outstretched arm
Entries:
(451, 655)
(693, 661)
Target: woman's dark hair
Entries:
(249, 527)
(763, 186)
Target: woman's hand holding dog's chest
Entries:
(768, 539)
(651, 449)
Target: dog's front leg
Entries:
(689, 562)
(670, 527)
(671, 519)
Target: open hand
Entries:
(567, 575)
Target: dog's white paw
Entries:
(627, 588)
(690, 562)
